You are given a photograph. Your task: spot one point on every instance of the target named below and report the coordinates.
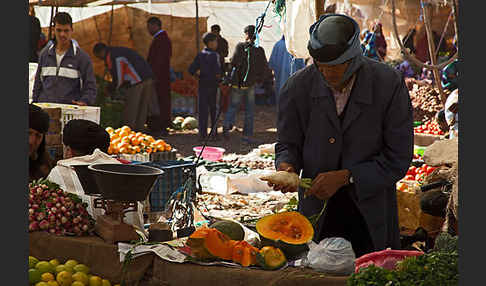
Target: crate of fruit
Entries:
(427, 133)
(69, 112)
(176, 173)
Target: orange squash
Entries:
(289, 231)
(209, 243)
(244, 253)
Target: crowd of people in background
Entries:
(65, 73)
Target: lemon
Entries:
(46, 277)
(54, 262)
(81, 268)
(44, 266)
(95, 281)
(81, 277)
(71, 262)
(68, 269)
(42, 284)
(64, 278)
(60, 268)
(78, 283)
(32, 262)
(52, 283)
(34, 276)
(105, 282)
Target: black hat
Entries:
(38, 119)
(208, 37)
(334, 32)
(85, 136)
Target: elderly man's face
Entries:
(35, 139)
(333, 74)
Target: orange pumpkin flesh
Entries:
(289, 227)
(209, 243)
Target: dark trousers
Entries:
(164, 96)
(342, 218)
(206, 103)
(137, 104)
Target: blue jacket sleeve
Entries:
(195, 65)
(290, 134)
(88, 89)
(391, 164)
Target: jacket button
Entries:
(332, 140)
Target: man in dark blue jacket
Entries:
(65, 72)
(206, 67)
(346, 122)
(131, 74)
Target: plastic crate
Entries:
(174, 176)
(70, 112)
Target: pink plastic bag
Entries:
(386, 258)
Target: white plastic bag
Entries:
(332, 255)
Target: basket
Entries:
(69, 112)
(174, 176)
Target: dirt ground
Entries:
(264, 131)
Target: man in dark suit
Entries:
(346, 122)
(159, 59)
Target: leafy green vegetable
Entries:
(445, 242)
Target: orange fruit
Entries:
(137, 149)
(123, 150)
(168, 147)
(148, 149)
(135, 141)
(123, 134)
(125, 140)
(150, 138)
(110, 130)
(126, 128)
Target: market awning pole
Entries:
(426, 7)
(454, 13)
(197, 50)
(50, 24)
(320, 8)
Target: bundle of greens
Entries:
(437, 267)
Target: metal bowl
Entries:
(124, 182)
(87, 180)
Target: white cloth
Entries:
(65, 176)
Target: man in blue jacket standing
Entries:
(65, 72)
(283, 64)
(346, 122)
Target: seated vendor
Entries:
(40, 163)
(86, 143)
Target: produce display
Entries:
(57, 212)
(242, 162)
(232, 229)
(71, 273)
(288, 231)
(425, 101)
(185, 87)
(125, 141)
(437, 267)
(429, 127)
(419, 173)
(181, 123)
(210, 244)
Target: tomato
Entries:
(410, 178)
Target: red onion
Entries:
(64, 219)
(44, 224)
(31, 211)
(49, 205)
(52, 231)
(52, 217)
(63, 209)
(85, 227)
(76, 220)
(33, 226)
(59, 215)
(35, 206)
(39, 191)
(53, 210)
(77, 229)
(41, 216)
(58, 205)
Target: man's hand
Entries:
(80, 103)
(325, 185)
(288, 168)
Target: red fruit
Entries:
(44, 224)
(33, 226)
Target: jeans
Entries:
(236, 96)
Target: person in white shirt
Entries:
(87, 143)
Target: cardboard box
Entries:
(55, 113)
(55, 127)
(53, 139)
